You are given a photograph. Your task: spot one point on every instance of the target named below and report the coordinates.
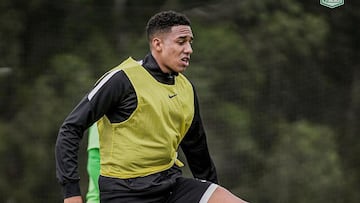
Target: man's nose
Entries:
(188, 48)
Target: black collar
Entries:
(150, 64)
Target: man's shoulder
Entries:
(183, 77)
(128, 63)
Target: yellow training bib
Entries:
(148, 140)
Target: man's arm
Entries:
(194, 146)
(75, 199)
(67, 147)
(91, 108)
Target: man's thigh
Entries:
(221, 194)
(133, 190)
(188, 190)
(119, 197)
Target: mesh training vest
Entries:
(148, 140)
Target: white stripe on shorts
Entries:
(206, 196)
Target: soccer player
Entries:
(146, 110)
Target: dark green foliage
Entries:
(278, 83)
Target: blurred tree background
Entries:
(278, 82)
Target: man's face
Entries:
(174, 49)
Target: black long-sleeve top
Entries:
(116, 98)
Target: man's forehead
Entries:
(182, 31)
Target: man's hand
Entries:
(75, 199)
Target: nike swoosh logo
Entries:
(171, 96)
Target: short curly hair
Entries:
(163, 21)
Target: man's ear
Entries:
(156, 44)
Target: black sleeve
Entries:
(194, 146)
(106, 93)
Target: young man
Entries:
(146, 110)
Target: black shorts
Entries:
(165, 187)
